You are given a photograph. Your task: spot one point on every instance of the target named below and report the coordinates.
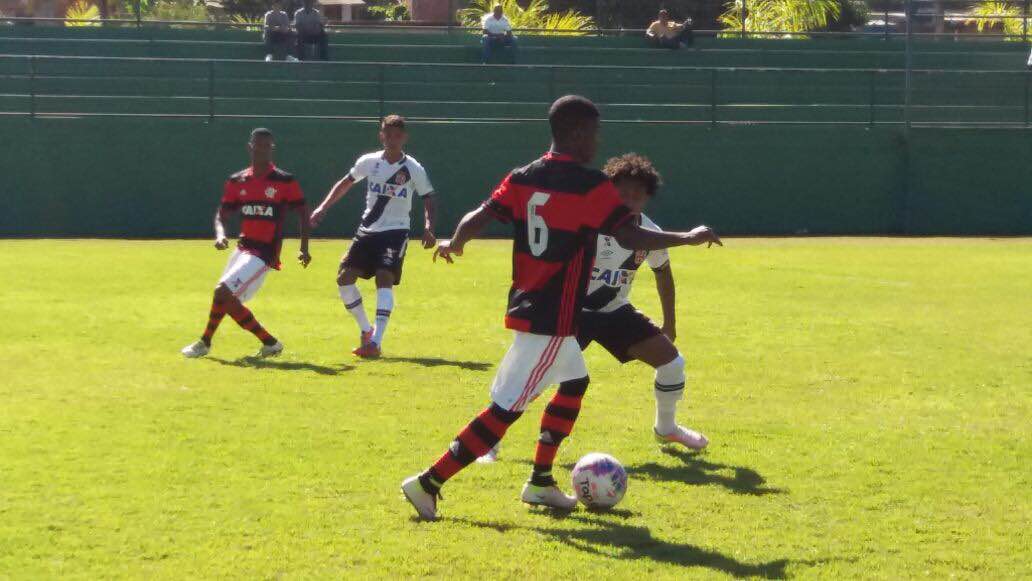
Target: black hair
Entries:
(260, 132)
(570, 114)
(631, 166)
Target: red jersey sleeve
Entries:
(230, 196)
(502, 203)
(294, 198)
(606, 213)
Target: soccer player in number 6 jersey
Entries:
(262, 194)
(379, 246)
(557, 207)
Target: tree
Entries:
(795, 16)
(536, 15)
(1010, 26)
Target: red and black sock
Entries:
(218, 311)
(556, 424)
(479, 436)
(245, 318)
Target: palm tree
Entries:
(781, 15)
(535, 15)
(1010, 26)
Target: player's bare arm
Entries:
(469, 227)
(336, 193)
(429, 217)
(667, 300)
(303, 219)
(634, 237)
(221, 242)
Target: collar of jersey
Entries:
(404, 156)
(250, 170)
(556, 156)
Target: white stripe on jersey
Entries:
(389, 190)
(615, 267)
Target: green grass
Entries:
(868, 402)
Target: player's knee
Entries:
(574, 387)
(346, 278)
(384, 279)
(223, 294)
(503, 415)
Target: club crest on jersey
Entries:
(401, 178)
(270, 192)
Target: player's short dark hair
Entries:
(631, 166)
(569, 114)
(393, 121)
(260, 132)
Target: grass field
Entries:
(868, 403)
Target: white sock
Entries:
(669, 390)
(384, 306)
(353, 303)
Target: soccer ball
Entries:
(599, 480)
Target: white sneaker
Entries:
(195, 350)
(549, 496)
(424, 502)
(270, 350)
(681, 435)
(491, 456)
(292, 59)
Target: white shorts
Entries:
(533, 363)
(244, 275)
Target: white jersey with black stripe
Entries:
(615, 267)
(389, 190)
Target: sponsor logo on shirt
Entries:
(260, 210)
(615, 277)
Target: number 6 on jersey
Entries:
(537, 229)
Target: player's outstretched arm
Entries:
(336, 193)
(469, 227)
(303, 218)
(221, 242)
(634, 237)
(667, 300)
(429, 217)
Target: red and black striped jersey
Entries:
(557, 208)
(262, 202)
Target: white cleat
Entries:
(270, 350)
(549, 496)
(492, 455)
(424, 502)
(681, 435)
(195, 350)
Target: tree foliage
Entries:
(792, 16)
(989, 8)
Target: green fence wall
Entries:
(149, 177)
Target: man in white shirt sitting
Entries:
(497, 33)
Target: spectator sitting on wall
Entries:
(276, 33)
(311, 29)
(665, 33)
(497, 33)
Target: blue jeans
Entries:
(493, 43)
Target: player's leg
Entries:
(347, 277)
(557, 423)
(216, 313)
(240, 284)
(519, 379)
(660, 353)
(384, 303)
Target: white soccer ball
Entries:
(599, 480)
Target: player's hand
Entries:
(704, 235)
(445, 251)
(670, 331)
(221, 243)
(316, 218)
(304, 258)
(429, 240)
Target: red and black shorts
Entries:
(617, 331)
(373, 251)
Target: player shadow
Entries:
(260, 363)
(605, 538)
(439, 362)
(699, 472)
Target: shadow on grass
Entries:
(605, 538)
(699, 472)
(439, 362)
(260, 363)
